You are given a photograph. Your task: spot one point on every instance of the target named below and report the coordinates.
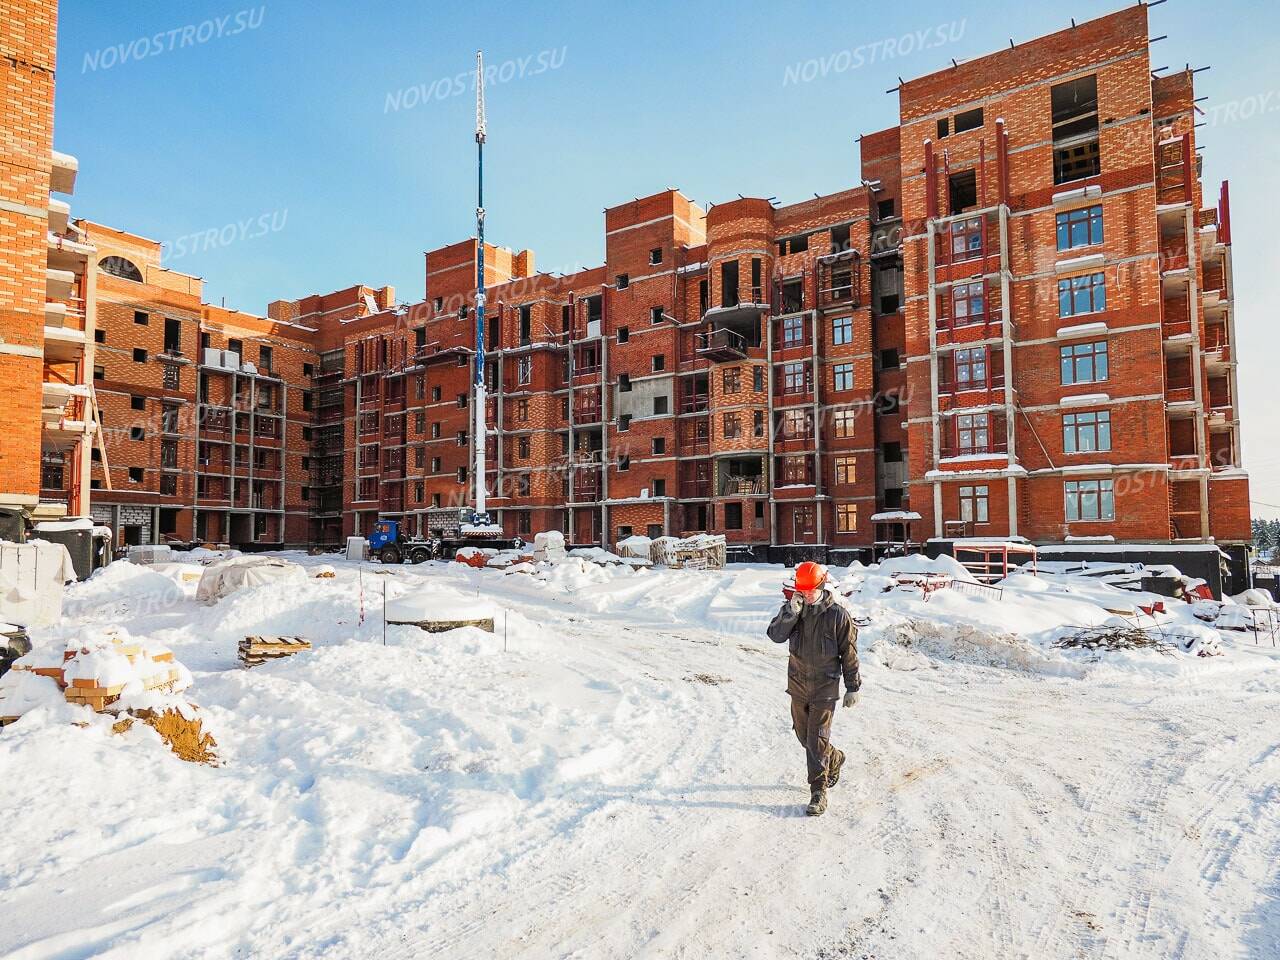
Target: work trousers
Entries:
(812, 724)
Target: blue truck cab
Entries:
(383, 533)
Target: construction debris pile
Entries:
(1113, 637)
(698, 552)
(99, 668)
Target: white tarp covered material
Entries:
(32, 576)
(228, 576)
(549, 545)
(150, 553)
(635, 546)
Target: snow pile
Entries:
(918, 563)
(596, 555)
(935, 608)
(421, 606)
(968, 643)
(123, 589)
(22, 691)
(205, 556)
(367, 791)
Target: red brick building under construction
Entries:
(1020, 322)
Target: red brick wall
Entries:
(28, 31)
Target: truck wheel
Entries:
(419, 555)
(391, 554)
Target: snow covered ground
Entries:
(612, 774)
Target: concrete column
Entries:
(934, 425)
(1006, 335)
(1197, 362)
(84, 449)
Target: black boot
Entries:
(817, 803)
(833, 767)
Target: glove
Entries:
(851, 698)
(795, 604)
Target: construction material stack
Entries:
(96, 669)
(255, 651)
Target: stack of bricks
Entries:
(97, 671)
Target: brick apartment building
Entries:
(46, 284)
(1068, 303)
(205, 412)
(1019, 322)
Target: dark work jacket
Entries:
(823, 643)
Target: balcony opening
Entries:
(1075, 129)
(729, 283)
(526, 324)
(792, 295)
(741, 476)
(695, 517)
(595, 310)
(694, 396)
(172, 335)
(840, 238)
(886, 285)
(962, 189)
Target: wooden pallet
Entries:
(258, 650)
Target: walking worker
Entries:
(824, 645)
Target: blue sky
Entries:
(326, 144)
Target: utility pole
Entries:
(481, 516)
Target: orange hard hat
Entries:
(810, 575)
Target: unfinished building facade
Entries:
(1019, 322)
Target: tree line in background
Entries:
(1266, 539)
